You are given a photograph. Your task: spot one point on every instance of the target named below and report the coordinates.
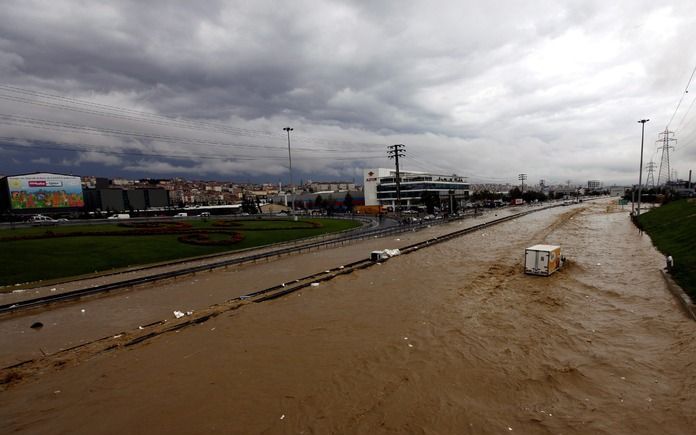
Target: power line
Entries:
(686, 91)
(685, 114)
(436, 166)
(85, 129)
(106, 110)
(99, 150)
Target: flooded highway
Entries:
(73, 323)
(454, 338)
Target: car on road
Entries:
(40, 219)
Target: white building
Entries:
(380, 187)
(594, 185)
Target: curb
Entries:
(681, 296)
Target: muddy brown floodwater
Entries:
(450, 339)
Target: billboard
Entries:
(45, 190)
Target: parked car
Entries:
(40, 219)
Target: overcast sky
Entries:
(485, 89)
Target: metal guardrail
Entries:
(367, 222)
(80, 293)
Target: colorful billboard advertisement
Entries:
(45, 190)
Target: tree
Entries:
(348, 201)
(329, 205)
(430, 200)
(531, 196)
(515, 193)
(318, 202)
(248, 205)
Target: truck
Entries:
(369, 209)
(120, 216)
(542, 259)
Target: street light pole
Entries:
(640, 176)
(292, 187)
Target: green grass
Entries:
(52, 258)
(672, 228)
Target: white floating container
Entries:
(542, 259)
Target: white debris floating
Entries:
(384, 254)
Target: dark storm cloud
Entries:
(492, 81)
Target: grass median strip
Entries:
(33, 254)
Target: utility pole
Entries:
(640, 173)
(394, 152)
(522, 177)
(292, 187)
(664, 172)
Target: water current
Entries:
(454, 338)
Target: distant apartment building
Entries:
(594, 185)
(329, 186)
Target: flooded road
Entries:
(450, 339)
(82, 321)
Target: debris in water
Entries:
(178, 314)
(410, 345)
(315, 284)
(83, 310)
(188, 313)
(18, 291)
(118, 336)
(36, 325)
(599, 264)
(53, 289)
(140, 327)
(282, 416)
